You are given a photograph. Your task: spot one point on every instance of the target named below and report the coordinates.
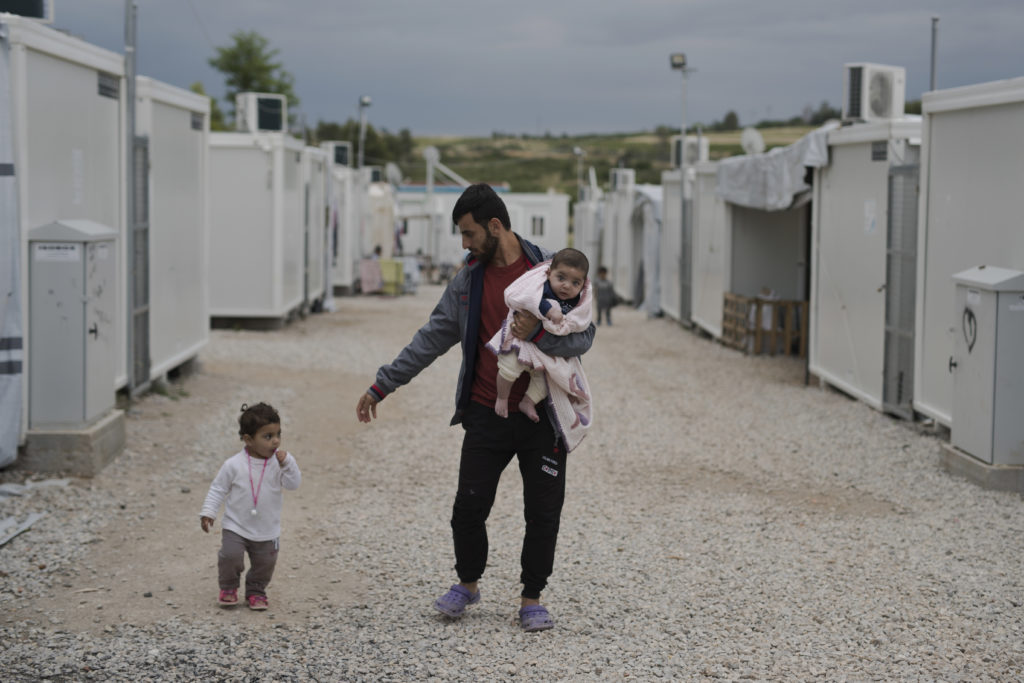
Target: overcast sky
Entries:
(471, 67)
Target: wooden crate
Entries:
(753, 324)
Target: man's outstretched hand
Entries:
(366, 409)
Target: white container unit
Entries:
(862, 265)
(972, 166)
(711, 245)
(344, 249)
(314, 224)
(618, 243)
(540, 217)
(257, 245)
(176, 125)
(66, 107)
(587, 224)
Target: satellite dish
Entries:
(880, 94)
(393, 173)
(431, 154)
(751, 141)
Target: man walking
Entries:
(470, 312)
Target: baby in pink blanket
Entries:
(560, 294)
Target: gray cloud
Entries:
(475, 66)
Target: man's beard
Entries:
(489, 249)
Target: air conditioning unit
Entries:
(41, 10)
(340, 153)
(373, 174)
(623, 178)
(873, 91)
(261, 112)
(697, 149)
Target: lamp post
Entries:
(578, 151)
(677, 60)
(364, 102)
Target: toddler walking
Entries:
(250, 485)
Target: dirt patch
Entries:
(153, 562)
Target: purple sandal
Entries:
(535, 618)
(454, 602)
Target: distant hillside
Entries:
(534, 164)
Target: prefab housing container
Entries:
(175, 125)
(65, 104)
(972, 163)
(257, 242)
(314, 225)
(864, 226)
(587, 224)
(540, 217)
(342, 222)
(618, 241)
(712, 250)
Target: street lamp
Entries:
(364, 102)
(578, 151)
(677, 60)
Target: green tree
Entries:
(216, 114)
(249, 65)
(381, 146)
(731, 121)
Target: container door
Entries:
(138, 376)
(685, 265)
(901, 279)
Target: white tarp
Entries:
(10, 279)
(771, 180)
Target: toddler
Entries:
(560, 294)
(605, 295)
(250, 484)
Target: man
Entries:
(470, 311)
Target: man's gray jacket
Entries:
(456, 318)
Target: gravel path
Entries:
(723, 521)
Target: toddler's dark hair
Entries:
(574, 258)
(255, 417)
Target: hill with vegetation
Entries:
(535, 164)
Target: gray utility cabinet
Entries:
(72, 319)
(988, 365)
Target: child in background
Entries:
(561, 293)
(605, 296)
(250, 484)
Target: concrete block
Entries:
(80, 452)
(992, 477)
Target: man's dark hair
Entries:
(483, 203)
(254, 418)
(574, 258)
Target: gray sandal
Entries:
(535, 618)
(454, 602)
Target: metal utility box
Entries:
(988, 365)
(72, 313)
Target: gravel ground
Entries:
(723, 521)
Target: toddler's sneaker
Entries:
(257, 601)
(228, 597)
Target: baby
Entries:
(567, 275)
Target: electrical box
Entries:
(73, 299)
(988, 365)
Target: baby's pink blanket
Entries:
(568, 390)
